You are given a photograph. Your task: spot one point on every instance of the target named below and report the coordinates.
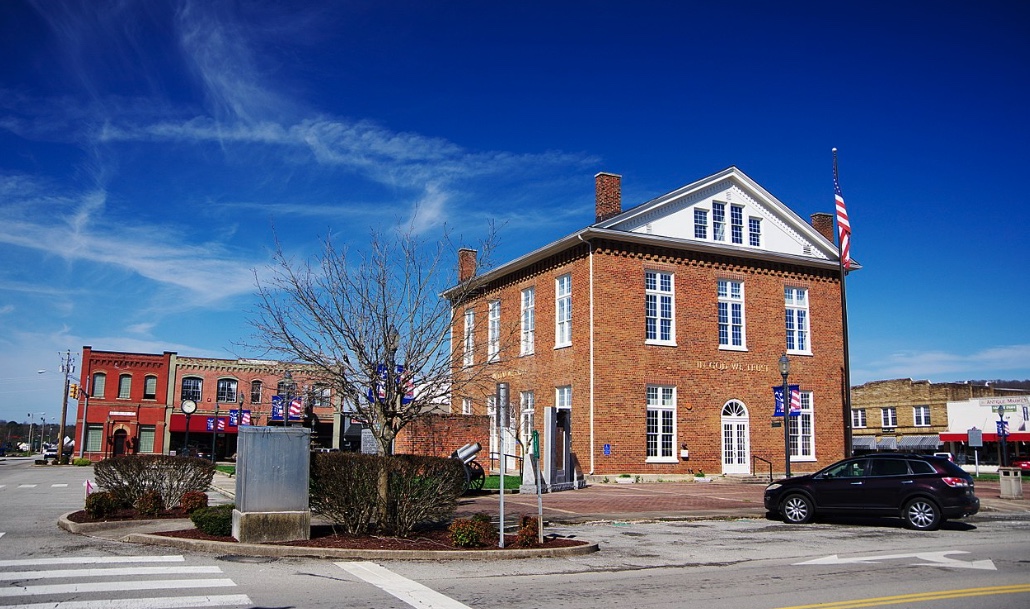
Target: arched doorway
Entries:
(118, 449)
(736, 438)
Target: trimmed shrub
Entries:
(528, 534)
(149, 503)
(81, 461)
(472, 532)
(192, 501)
(101, 503)
(422, 490)
(128, 477)
(344, 488)
(216, 520)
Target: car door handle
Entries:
(907, 481)
(859, 483)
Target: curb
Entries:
(252, 549)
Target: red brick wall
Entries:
(705, 377)
(441, 434)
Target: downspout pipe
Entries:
(591, 266)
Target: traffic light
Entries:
(73, 390)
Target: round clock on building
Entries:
(188, 407)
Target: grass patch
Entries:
(226, 469)
(493, 483)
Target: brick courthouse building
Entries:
(648, 342)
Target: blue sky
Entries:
(149, 149)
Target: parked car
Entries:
(1022, 464)
(920, 489)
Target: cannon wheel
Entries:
(475, 476)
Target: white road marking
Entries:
(59, 485)
(411, 592)
(27, 485)
(114, 587)
(86, 560)
(120, 571)
(931, 559)
(167, 602)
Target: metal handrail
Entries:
(495, 464)
(769, 463)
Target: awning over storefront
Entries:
(919, 442)
(887, 443)
(863, 442)
(1016, 436)
(199, 423)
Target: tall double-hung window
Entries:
(192, 388)
(528, 321)
(802, 431)
(493, 343)
(124, 386)
(718, 221)
(796, 315)
(659, 307)
(661, 423)
(754, 232)
(737, 224)
(469, 339)
(563, 311)
(226, 393)
(921, 416)
(731, 314)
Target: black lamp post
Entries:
(784, 372)
(188, 407)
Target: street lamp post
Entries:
(31, 424)
(784, 372)
(188, 407)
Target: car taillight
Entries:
(955, 482)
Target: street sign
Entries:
(976, 438)
(1003, 408)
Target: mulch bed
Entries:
(322, 536)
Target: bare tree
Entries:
(373, 323)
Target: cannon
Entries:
(474, 474)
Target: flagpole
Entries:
(846, 414)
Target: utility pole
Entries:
(67, 367)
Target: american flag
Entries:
(221, 424)
(245, 418)
(843, 224)
(296, 408)
(795, 401)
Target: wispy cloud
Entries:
(941, 366)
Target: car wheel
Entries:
(797, 509)
(922, 515)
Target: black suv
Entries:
(922, 490)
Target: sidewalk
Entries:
(651, 501)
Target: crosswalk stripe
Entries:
(169, 602)
(27, 485)
(59, 485)
(120, 571)
(409, 591)
(114, 587)
(87, 560)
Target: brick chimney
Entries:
(466, 264)
(608, 188)
(823, 223)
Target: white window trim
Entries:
(807, 409)
(564, 391)
(915, 417)
(807, 330)
(563, 339)
(658, 294)
(660, 407)
(493, 343)
(469, 339)
(743, 316)
(528, 342)
(854, 418)
(466, 406)
(884, 416)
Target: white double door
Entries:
(736, 444)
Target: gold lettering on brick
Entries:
(734, 366)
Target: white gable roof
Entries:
(780, 230)
(668, 221)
